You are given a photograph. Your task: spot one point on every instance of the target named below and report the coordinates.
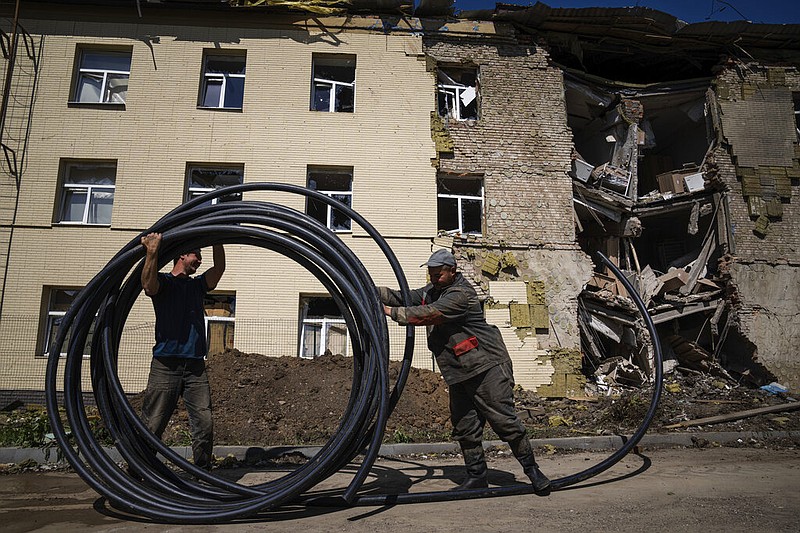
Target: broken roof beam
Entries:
(592, 206)
(660, 207)
(622, 318)
(683, 311)
(615, 201)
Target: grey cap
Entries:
(440, 257)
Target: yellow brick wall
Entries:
(275, 136)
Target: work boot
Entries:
(521, 448)
(477, 472)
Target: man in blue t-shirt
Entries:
(178, 368)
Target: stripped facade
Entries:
(514, 137)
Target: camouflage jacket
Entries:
(458, 335)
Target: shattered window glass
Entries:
(322, 329)
(203, 179)
(333, 83)
(59, 302)
(336, 183)
(223, 82)
(460, 204)
(88, 193)
(457, 90)
(103, 77)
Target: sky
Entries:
(761, 11)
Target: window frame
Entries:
(460, 202)
(104, 73)
(190, 192)
(209, 320)
(50, 316)
(221, 77)
(325, 323)
(66, 189)
(332, 194)
(328, 60)
(453, 92)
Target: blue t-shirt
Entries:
(180, 318)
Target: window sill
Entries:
(333, 112)
(63, 355)
(80, 224)
(97, 105)
(228, 109)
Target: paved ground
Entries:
(711, 489)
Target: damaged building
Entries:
(525, 139)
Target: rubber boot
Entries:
(521, 448)
(477, 472)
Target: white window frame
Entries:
(333, 84)
(52, 316)
(68, 189)
(326, 323)
(460, 199)
(333, 194)
(218, 319)
(193, 192)
(455, 94)
(106, 77)
(222, 79)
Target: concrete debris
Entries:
(618, 372)
(655, 207)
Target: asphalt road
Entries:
(708, 490)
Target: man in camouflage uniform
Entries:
(474, 362)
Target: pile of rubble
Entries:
(655, 207)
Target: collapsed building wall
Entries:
(513, 136)
(761, 168)
(709, 184)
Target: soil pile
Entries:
(265, 401)
(259, 400)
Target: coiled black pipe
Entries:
(106, 301)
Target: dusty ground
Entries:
(710, 490)
(268, 401)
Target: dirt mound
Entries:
(263, 401)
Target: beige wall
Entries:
(386, 141)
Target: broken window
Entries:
(333, 83)
(460, 204)
(336, 183)
(223, 81)
(59, 300)
(102, 76)
(201, 179)
(322, 328)
(87, 193)
(458, 93)
(220, 311)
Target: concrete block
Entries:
(491, 264)
(540, 317)
(520, 315)
(536, 292)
